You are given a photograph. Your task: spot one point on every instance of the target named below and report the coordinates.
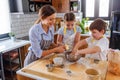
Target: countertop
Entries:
(37, 70)
(8, 45)
(34, 70)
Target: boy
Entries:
(97, 42)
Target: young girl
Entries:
(70, 33)
(41, 35)
(97, 42)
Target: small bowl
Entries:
(50, 67)
(58, 61)
(92, 74)
(71, 57)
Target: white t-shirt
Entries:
(103, 43)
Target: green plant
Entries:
(74, 4)
(82, 24)
(11, 34)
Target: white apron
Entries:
(69, 39)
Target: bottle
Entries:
(62, 23)
(57, 26)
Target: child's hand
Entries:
(76, 54)
(74, 51)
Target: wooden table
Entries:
(111, 76)
(38, 70)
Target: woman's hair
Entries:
(69, 16)
(99, 25)
(44, 12)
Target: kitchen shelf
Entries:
(11, 64)
(35, 5)
(12, 55)
(8, 76)
(13, 67)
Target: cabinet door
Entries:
(61, 5)
(24, 51)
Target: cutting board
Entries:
(78, 71)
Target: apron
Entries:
(69, 39)
(31, 55)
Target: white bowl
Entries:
(58, 61)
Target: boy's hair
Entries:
(99, 25)
(69, 16)
(44, 12)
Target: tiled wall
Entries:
(21, 23)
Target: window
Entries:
(90, 8)
(104, 8)
(4, 17)
(97, 9)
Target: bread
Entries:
(113, 61)
(67, 47)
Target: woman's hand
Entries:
(60, 44)
(60, 49)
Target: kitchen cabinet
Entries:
(63, 6)
(11, 63)
(11, 57)
(35, 5)
(22, 6)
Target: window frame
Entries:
(96, 11)
(5, 35)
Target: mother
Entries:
(41, 35)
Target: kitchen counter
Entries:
(37, 70)
(9, 45)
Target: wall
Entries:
(21, 23)
(25, 5)
(19, 6)
(13, 5)
(116, 5)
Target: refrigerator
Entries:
(115, 30)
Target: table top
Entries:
(38, 68)
(8, 45)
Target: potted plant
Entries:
(82, 25)
(75, 5)
(12, 36)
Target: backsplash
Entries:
(21, 23)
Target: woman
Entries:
(41, 35)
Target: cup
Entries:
(50, 67)
(58, 61)
(92, 74)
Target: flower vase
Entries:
(13, 38)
